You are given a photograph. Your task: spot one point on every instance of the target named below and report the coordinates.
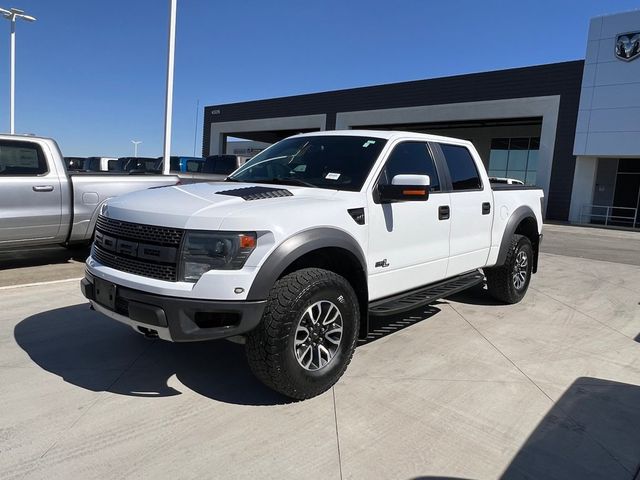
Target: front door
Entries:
(408, 241)
(30, 198)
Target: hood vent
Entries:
(257, 193)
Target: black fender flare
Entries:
(518, 215)
(295, 247)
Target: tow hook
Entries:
(148, 333)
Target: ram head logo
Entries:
(628, 46)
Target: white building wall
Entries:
(245, 147)
(610, 96)
(583, 182)
(219, 130)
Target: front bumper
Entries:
(177, 319)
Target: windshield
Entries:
(339, 162)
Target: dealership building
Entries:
(571, 128)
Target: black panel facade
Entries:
(562, 79)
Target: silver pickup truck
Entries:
(42, 203)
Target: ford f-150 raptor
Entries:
(301, 245)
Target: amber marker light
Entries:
(247, 241)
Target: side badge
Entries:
(382, 263)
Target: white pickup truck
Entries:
(304, 242)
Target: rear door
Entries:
(408, 241)
(471, 210)
(30, 194)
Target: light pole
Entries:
(12, 15)
(135, 147)
(168, 103)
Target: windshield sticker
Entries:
(368, 142)
(332, 176)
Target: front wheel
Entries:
(307, 335)
(510, 281)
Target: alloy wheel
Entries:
(318, 335)
(520, 270)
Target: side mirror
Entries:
(405, 188)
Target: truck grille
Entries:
(138, 231)
(144, 250)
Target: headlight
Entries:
(204, 251)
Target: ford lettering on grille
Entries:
(144, 250)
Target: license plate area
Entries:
(105, 293)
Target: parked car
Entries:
(183, 164)
(135, 165)
(75, 163)
(222, 164)
(43, 203)
(294, 252)
(101, 164)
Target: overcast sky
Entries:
(91, 74)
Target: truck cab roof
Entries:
(386, 134)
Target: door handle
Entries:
(444, 212)
(43, 188)
(486, 208)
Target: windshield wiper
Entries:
(287, 181)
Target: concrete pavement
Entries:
(465, 388)
(19, 267)
(594, 243)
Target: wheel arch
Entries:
(521, 222)
(328, 248)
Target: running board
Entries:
(424, 295)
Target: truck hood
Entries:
(205, 206)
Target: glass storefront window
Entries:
(531, 178)
(518, 159)
(514, 158)
(533, 160)
(498, 159)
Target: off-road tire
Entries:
(500, 280)
(270, 347)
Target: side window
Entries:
(410, 158)
(193, 166)
(21, 158)
(462, 168)
(92, 164)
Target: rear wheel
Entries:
(307, 335)
(510, 281)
